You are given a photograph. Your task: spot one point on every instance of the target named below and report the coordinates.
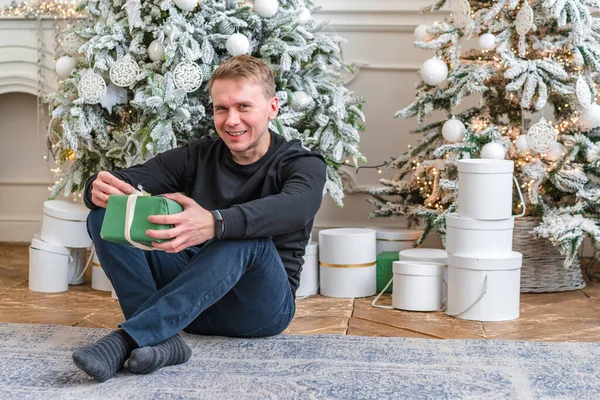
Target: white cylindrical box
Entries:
(77, 266)
(484, 289)
(428, 255)
(347, 260)
(418, 286)
(309, 277)
(390, 239)
(478, 237)
(99, 279)
(48, 267)
(64, 223)
(485, 188)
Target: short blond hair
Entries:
(245, 67)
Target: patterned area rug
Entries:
(35, 363)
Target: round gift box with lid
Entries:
(309, 277)
(347, 260)
(478, 237)
(485, 188)
(99, 279)
(64, 223)
(484, 288)
(77, 266)
(427, 255)
(390, 239)
(48, 267)
(418, 285)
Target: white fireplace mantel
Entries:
(19, 52)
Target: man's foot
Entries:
(104, 358)
(173, 351)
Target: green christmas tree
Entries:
(136, 73)
(534, 77)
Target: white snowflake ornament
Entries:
(188, 76)
(91, 88)
(542, 136)
(124, 72)
(237, 44)
(71, 43)
(461, 11)
(582, 90)
(524, 20)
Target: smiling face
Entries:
(242, 112)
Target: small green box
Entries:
(113, 226)
(385, 264)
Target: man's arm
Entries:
(285, 212)
(164, 173)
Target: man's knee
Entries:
(94, 222)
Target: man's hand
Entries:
(107, 184)
(194, 225)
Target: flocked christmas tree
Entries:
(534, 77)
(136, 73)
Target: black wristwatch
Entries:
(219, 231)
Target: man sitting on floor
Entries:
(233, 263)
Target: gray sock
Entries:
(104, 358)
(173, 351)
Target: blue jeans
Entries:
(235, 288)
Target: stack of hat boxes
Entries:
(57, 256)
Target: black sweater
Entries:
(276, 196)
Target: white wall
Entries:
(379, 34)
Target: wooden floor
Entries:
(568, 316)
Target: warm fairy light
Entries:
(33, 8)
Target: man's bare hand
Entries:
(194, 225)
(107, 184)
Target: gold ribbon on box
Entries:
(365, 265)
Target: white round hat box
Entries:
(484, 288)
(391, 239)
(309, 277)
(64, 223)
(99, 279)
(77, 266)
(485, 188)
(347, 262)
(48, 267)
(478, 237)
(418, 285)
(427, 255)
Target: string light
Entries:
(35, 8)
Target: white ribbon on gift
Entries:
(129, 213)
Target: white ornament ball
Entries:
(304, 15)
(237, 44)
(434, 71)
(186, 5)
(64, 66)
(487, 41)
(453, 130)
(493, 150)
(266, 8)
(522, 143)
(590, 118)
(156, 50)
(421, 34)
(91, 88)
(556, 152)
(301, 100)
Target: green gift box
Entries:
(384, 271)
(141, 207)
